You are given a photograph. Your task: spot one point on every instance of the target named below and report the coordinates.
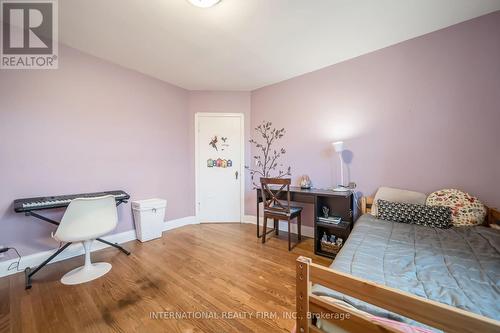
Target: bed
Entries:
(446, 279)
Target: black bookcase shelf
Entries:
(341, 206)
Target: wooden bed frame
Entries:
(432, 313)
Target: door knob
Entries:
(236, 174)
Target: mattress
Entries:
(457, 266)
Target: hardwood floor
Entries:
(198, 272)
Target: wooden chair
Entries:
(277, 210)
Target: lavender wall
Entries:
(86, 127)
(422, 115)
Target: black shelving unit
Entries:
(341, 206)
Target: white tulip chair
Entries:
(85, 220)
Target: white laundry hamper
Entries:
(148, 218)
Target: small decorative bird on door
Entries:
(213, 143)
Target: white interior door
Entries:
(219, 165)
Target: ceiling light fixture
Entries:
(204, 3)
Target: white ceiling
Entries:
(247, 44)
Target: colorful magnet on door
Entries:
(219, 163)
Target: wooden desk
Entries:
(340, 204)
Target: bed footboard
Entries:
(435, 314)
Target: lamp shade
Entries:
(338, 146)
(204, 3)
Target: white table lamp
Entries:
(339, 148)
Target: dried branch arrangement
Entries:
(266, 161)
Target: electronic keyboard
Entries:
(60, 201)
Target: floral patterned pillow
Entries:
(466, 210)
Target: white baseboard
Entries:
(177, 223)
(75, 250)
(305, 230)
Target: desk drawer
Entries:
(301, 197)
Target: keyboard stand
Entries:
(28, 272)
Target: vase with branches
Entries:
(266, 160)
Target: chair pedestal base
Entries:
(86, 273)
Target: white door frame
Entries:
(241, 170)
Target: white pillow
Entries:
(397, 195)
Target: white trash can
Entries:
(148, 218)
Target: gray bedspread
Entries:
(457, 266)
